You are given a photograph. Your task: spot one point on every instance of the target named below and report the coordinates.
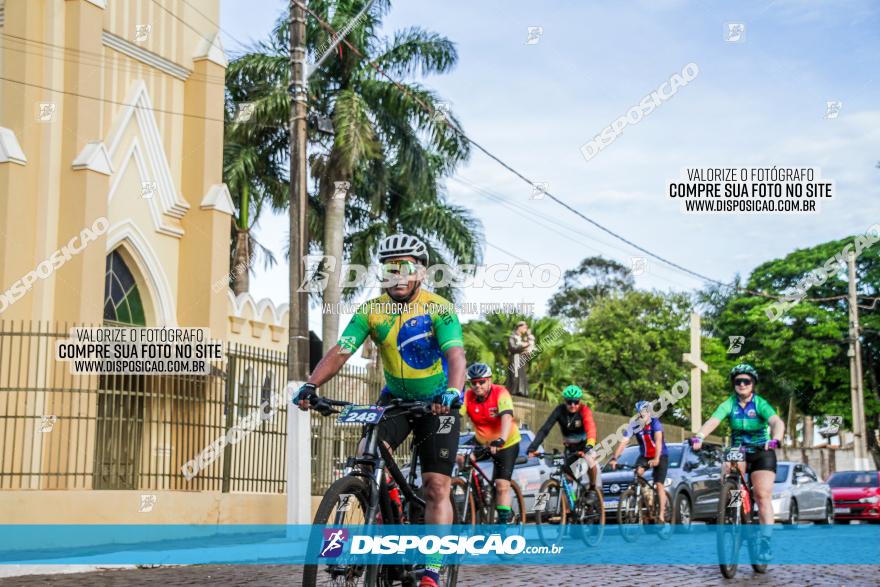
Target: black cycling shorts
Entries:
(658, 472)
(505, 460)
(761, 460)
(571, 456)
(436, 437)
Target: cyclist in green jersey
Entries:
(421, 344)
(749, 416)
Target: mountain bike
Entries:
(364, 496)
(563, 506)
(475, 495)
(736, 510)
(639, 506)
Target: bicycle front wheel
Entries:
(463, 503)
(346, 502)
(591, 515)
(629, 515)
(551, 511)
(728, 537)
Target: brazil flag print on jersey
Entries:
(412, 338)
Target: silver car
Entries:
(798, 495)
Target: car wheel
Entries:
(682, 512)
(828, 518)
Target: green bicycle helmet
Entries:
(572, 392)
(744, 369)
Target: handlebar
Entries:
(324, 406)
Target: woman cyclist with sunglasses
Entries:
(754, 424)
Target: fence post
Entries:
(230, 419)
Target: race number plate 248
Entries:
(360, 415)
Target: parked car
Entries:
(693, 480)
(529, 473)
(856, 496)
(799, 495)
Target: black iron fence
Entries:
(59, 430)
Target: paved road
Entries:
(473, 576)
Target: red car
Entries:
(856, 496)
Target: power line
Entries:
(428, 109)
(104, 61)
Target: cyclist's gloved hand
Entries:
(497, 443)
(448, 399)
(306, 393)
(772, 445)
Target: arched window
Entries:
(122, 301)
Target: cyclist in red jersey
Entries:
(490, 408)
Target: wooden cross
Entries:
(693, 358)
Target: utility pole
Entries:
(855, 372)
(697, 364)
(299, 450)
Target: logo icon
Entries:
(832, 109)
(751, 413)
(441, 111)
(46, 111)
(244, 112)
(334, 540)
(539, 190)
(340, 189)
(148, 500)
(541, 502)
(639, 265)
(831, 426)
(736, 343)
(148, 188)
(734, 32)
(444, 453)
(142, 31)
(535, 33)
(445, 424)
(47, 423)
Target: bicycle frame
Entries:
(474, 474)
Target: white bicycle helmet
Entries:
(402, 245)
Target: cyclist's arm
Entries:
(457, 363)
(619, 448)
(545, 429)
(589, 425)
(329, 365)
(777, 426)
(352, 338)
(505, 410)
(447, 328)
(722, 412)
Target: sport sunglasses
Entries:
(742, 381)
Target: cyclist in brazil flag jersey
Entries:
(652, 451)
(421, 344)
(749, 416)
(490, 408)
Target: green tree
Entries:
(803, 355)
(594, 278)
(381, 140)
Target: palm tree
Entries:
(384, 143)
(254, 171)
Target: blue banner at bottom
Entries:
(482, 545)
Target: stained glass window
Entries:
(122, 300)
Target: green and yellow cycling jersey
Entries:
(412, 338)
(748, 424)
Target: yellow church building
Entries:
(113, 211)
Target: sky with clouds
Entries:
(758, 102)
